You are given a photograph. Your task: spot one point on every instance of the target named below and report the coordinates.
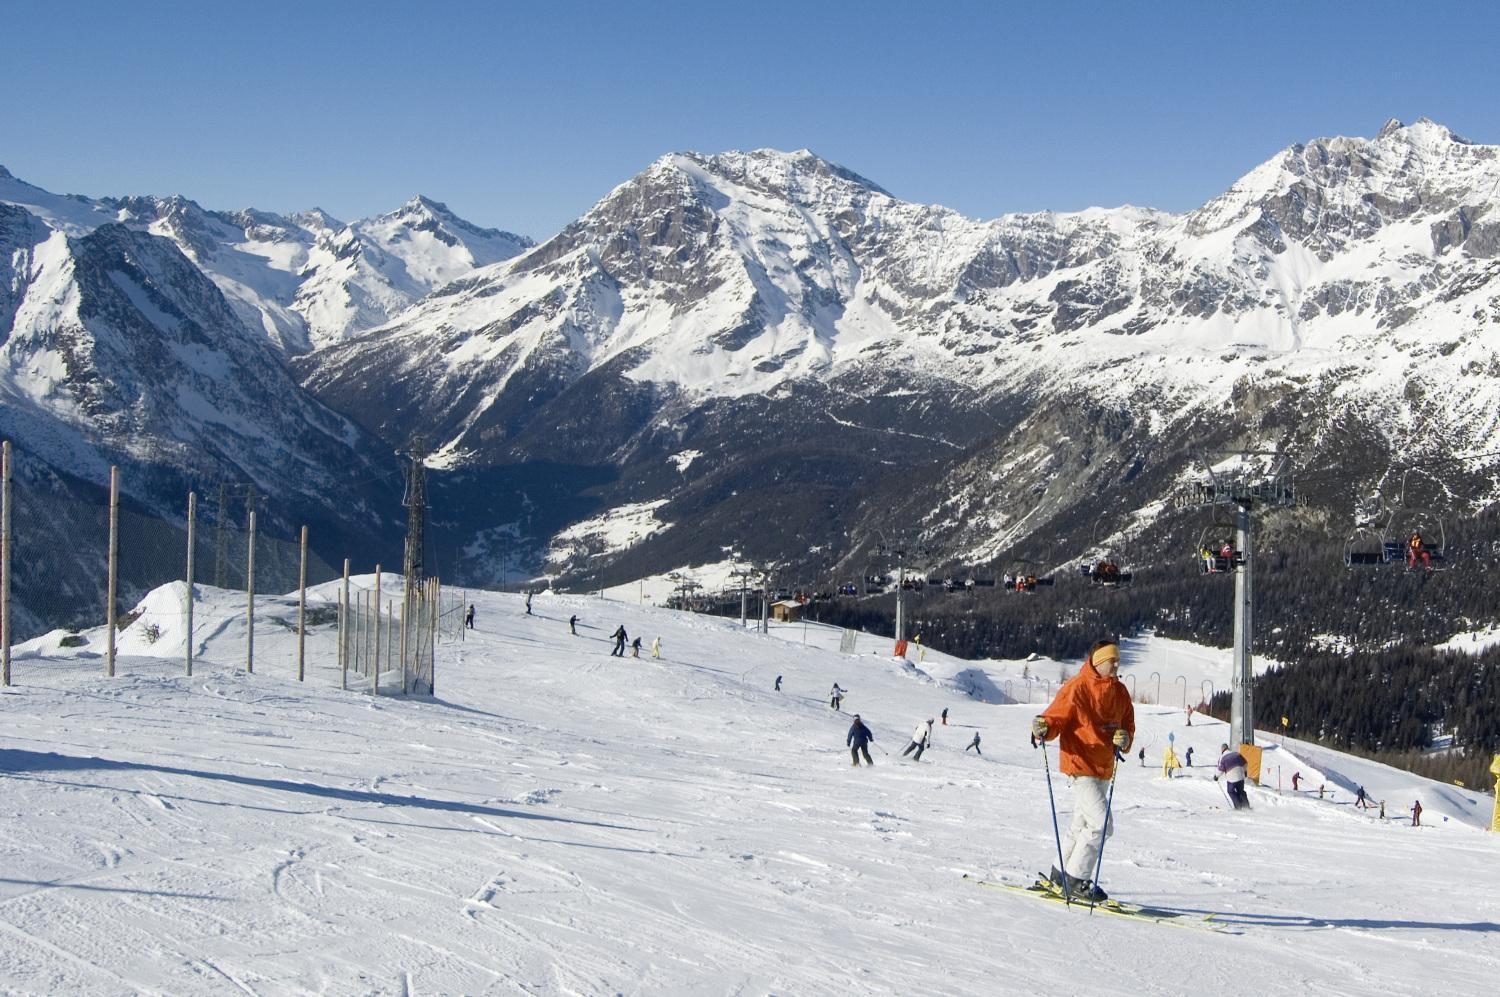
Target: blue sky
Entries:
(522, 115)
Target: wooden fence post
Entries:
(114, 567)
(375, 642)
(192, 534)
(302, 611)
(250, 599)
(5, 552)
(344, 630)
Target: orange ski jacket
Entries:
(1089, 708)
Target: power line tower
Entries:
(415, 501)
(1237, 482)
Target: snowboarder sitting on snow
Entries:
(1093, 718)
(619, 636)
(1232, 767)
(859, 741)
(975, 744)
(921, 740)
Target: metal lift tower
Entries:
(1246, 489)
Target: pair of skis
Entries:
(1045, 889)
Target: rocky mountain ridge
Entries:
(977, 382)
(766, 353)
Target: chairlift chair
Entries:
(1216, 558)
(1366, 548)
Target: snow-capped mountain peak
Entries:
(304, 279)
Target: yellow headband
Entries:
(1109, 652)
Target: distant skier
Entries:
(921, 740)
(1416, 813)
(975, 744)
(945, 716)
(1189, 756)
(1296, 778)
(619, 637)
(528, 603)
(635, 648)
(836, 697)
(1360, 800)
(1232, 767)
(656, 648)
(1143, 757)
(1093, 719)
(573, 624)
(778, 683)
(859, 741)
(469, 618)
(1169, 762)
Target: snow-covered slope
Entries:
(560, 821)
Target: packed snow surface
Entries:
(557, 820)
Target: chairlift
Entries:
(1366, 548)
(1420, 543)
(1023, 576)
(1102, 567)
(1216, 556)
(1418, 532)
(1411, 537)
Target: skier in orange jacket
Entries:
(1092, 717)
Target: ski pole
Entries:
(1056, 834)
(1109, 802)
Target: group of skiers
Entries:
(620, 637)
(859, 737)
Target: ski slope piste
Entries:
(556, 820)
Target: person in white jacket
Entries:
(921, 740)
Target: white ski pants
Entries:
(1086, 833)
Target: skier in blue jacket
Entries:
(859, 741)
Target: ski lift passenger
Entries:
(1416, 549)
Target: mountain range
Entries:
(765, 355)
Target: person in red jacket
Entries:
(1092, 718)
